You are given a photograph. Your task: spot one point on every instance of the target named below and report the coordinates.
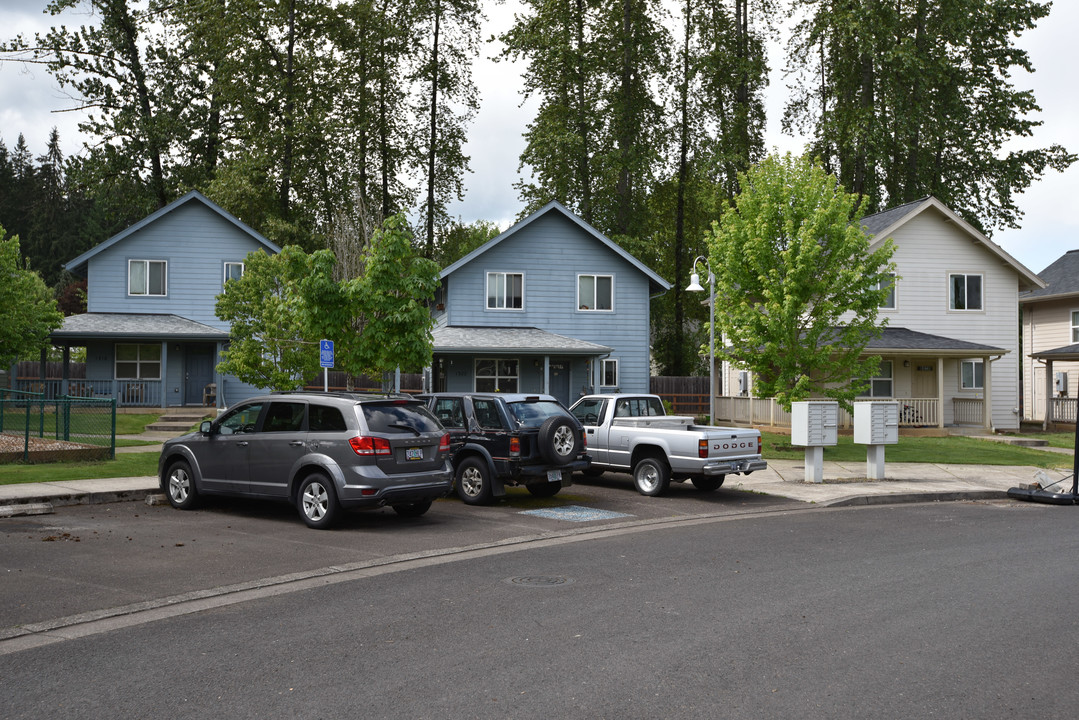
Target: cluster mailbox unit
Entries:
(814, 425)
(876, 424)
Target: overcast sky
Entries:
(29, 99)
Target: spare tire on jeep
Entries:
(559, 441)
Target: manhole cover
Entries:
(540, 580)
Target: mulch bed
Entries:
(49, 450)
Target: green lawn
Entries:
(95, 423)
(126, 465)
(1056, 439)
(945, 450)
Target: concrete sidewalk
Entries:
(844, 484)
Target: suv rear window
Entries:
(532, 413)
(395, 416)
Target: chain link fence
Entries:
(36, 429)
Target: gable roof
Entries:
(193, 196)
(1061, 279)
(881, 225)
(656, 283)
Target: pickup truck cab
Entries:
(500, 439)
(633, 433)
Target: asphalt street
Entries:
(735, 606)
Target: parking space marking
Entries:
(576, 513)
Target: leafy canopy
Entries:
(284, 304)
(797, 288)
(28, 312)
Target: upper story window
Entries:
(147, 277)
(965, 292)
(505, 291)
(1075, 326)
(233, 271)
(889, 301)
(595, 292)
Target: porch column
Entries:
(65, 373)
(940, 393)
(164, 378)
(1047, 416)
(546, 387)
(987, 404)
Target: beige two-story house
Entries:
(1050, 338)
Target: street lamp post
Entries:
(695, 286)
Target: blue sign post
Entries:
(325, 360)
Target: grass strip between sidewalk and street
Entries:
(952, 450)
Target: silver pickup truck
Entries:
(633, 433)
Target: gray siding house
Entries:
(550, 305)
(150, 332)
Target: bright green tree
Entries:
(273, 344)
(797, 289)
(28, 312)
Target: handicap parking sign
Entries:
(325, 353)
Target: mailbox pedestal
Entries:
(876, 424)
(814, 424)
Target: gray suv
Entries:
(322, 452)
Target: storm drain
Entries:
(540, 580)
(575, 513)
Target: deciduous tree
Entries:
(28, 312)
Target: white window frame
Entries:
(589, 304)
(505, 295)
(894, 294)
(226, 277)
(1075, 326)
(882, 377)
(974, 363)
(146, 278)
(609, 363)
(498, 377)
(138, 361)
(966, 292)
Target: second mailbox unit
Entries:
(876, 424)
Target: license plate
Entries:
(414, 454)
(554, 476)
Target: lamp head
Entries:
(694, 283)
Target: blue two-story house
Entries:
(550, 305)
(150, 332)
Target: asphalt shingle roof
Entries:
(898, 338)
(135, 326)
(878, 222)
(456, 339)
(1061, 278)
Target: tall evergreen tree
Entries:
(906, 98)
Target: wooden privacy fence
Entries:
(686, 395)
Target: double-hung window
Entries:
(889, 284)
(233, 271)
(610, 373)
(505, 291)
(138, 361)
(494, 375)
(147, 277)
(965, 292)
(595, 292)
(880, 385)
(1075, 326)
(973, 375)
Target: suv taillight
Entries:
(364, 445)
(444, 443)
(515, 447)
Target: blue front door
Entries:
(198, 372)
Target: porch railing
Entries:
(127, 393)
(1063, 410)
(968, 411)
(913, 412)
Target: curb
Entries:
(907, 498)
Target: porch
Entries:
(913, 412)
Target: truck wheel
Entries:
(544, 489)
(708, 483)
(559, 441)
(474, 481)
(651, 476)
